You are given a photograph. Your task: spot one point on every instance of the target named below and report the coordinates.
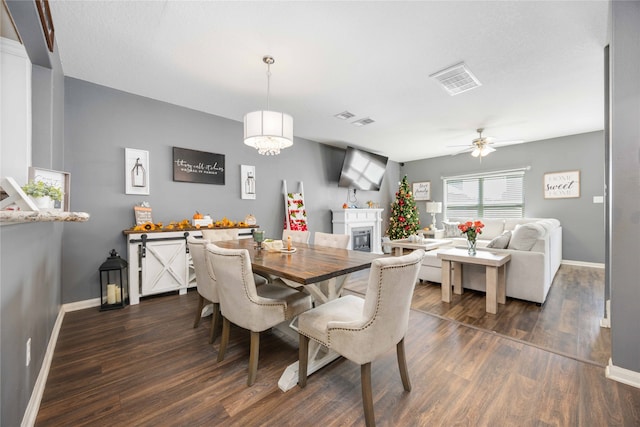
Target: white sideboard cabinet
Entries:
(159, 261)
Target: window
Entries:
(491, 195)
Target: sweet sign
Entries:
(562, 185)
(198, 166)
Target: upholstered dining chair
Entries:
(213, 235)
(296, 236)
(205, 283)
(247, 306)
(332, 240)
(217, 235)
(363, 329)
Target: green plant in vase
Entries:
(42, 193)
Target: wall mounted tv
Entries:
(362, 170)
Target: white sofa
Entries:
(529, 273)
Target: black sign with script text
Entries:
(198, 166)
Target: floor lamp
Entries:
(434, 208)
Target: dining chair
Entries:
(217, 235)
(363, 329)
(247, 306)
(213, 235)
(296, 236)
(331, 240)
(205, 284)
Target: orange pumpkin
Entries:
(198, 215)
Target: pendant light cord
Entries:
(268, 60)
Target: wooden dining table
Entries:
(322, 271)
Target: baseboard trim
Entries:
(81, 305)
(582, 263)
(33, 406)
(622, 375)
(31, 413)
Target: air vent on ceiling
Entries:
(345, 115)
(456, 79)
(363, 122)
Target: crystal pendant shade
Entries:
(268, 131)
(265, 130)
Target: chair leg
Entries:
(225, 338)
(199, 311)
(215, 322)
(254, 351)
(303, 360)
(367, 395)
(402, 364)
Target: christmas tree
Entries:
(404, 219)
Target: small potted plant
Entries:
(43, 194)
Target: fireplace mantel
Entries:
(345, 220)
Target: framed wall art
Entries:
(44, 12)
(422, 190)
(136, 171)
(58, 179)
(247, 182)
(198, 166)
(562, 185)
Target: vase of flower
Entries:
(471, 246)
(471, 229)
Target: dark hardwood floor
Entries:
(145, 365)
(568, 323)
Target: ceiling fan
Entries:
(483, 145)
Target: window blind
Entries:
(494, 195)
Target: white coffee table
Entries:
(426, 244)
(495, 265)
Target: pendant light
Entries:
(265, 130)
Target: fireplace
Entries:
(351, 221)
(361, 238)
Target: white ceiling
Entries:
(540, 64)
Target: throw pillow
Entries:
(524, 236)
(451, 229)
(500, 242)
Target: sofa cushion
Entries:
(500, 242)
(451, 229)
(548, 225)
(492, 228)
(524, 236)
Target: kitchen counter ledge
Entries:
(20, 217)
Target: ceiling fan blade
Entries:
(501, 143)
(466, 150)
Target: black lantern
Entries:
(114, 283)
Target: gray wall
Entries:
(101, 122)
(625, 180)
(29, 304)
(31, 254)
(582, 220)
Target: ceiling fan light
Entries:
(476, 152)
(486, 150)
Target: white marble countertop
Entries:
(18, 217)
